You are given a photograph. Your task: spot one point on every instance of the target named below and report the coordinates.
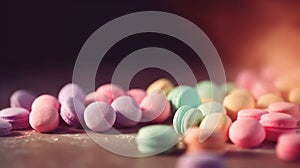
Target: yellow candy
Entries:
(240, 91)
(162, 85)
(267, 99)
(294, 96)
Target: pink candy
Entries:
(288, 147)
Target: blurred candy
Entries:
(267, 99)
(22, 98)
(111, 91)
(161, 85)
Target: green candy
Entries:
(155, 139)
(209, 91)
(185, 118)
(184, 95)
(212, 107)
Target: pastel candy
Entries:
(137, 94)
(99, 116)
(288, 147)
(284, 107)
(22, 98)
(241, 91)
(284, 85)
(212, 107)
(46, 100)
(245, 79)
(71, 112)
(184, 95)
(162, 85)
(227, 87)
(156, 139)
(200, 160)
(294, 96)
(185, 118)
(251, 113)
(71, 90)
(247, 133)
(260, 88)
(264, 101)
(128, 111)
(155, 108)
(219, 122)
(93, 97)
(111, 91)
(272, 134)
(5, 128)
(18, 117)
(209, 91)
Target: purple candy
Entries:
(18, 117)
(200, 160)
(22, 98)
(128, 111)
(71, 90)
(99, 116)
(71, 112)
(5, 128)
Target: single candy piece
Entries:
(234, 102)
(212, 107)
(128, 111)
(5, 128)
(251, 113)
(184, 95)
(198, 140)
(71, 90)
(209, 91)
(155, 108)
(93, 97)
(272, 134)
(219, 122)
(247, 133)
(294, 96)
(245, 79)
(264, 101)
(22, 98)
(46, 100)
(185, 118)
(111, 91)
(99, 116)
(260, 88)
(137, 94)
(288, 147)
(156, 139)
(18, 117)
(71, 112)
(200, 160)
(161, 85)
(284, 85)
(284, 107)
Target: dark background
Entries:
(41, 39)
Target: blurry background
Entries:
(41, 40)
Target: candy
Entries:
(219, 122)
(247, 133)
(201, 160)
(18, 117)
(245, 79)
(288, 147)
(156, 139)
(227, 87)
(71, 112)
(284, 107)
(212, 107)
(251, 113)
(22, 98)
(44, 116)
(294, 96)
(111, 91)
(184, 95)
(260, 88)
(71, 90)
(155, 108)
(209, 91)
(92, 97)
(5, 128)
(161, 85)
(137, 94)
(128, 111)
(185, 118)
(99, 116)
(267, 99)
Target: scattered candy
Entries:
(209, 91)
(22, 98)
(284, 107)
(71, 90)
(251, 113)
(137, 94)
(288, 147)
(212, 107)
(71, 112)
(111, 91)
(264, 101)
(161, 85)
(18, 117)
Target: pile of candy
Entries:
(205, 117)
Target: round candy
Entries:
(184, 95)
(155, 108)
(92, 97)
(294, 96)
(227, 87)
(5, 128)
(278, 120)
(212, 107)
(71, 112)
(288, 147)
(201, 160)
(22, 98)
(71, 90)
(161, 85)
(247, 133)
(185, 118)
(284, 85)
(264, 101)
(241, 91)
(128, 111)
(46, 100)
(111, 91)
(260, 88)
(209, 91)
(44, 118)
(137, 94)
(284, 107)
(245, 79)
(251, 113)
(156, 139)
(99, 116)
(18, 117)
